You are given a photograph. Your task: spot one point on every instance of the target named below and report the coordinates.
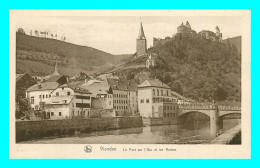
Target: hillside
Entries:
(234, 42)
(38, 55)
(194, 67)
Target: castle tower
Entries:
(188, 25)
(217, 31)
(141, 45)
(218, 34)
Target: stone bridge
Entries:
(215, 113)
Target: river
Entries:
(196, 133)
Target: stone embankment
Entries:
(29, 130)
(232, 136)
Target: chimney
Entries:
(86, 80)
(39, 86)
(67, 78)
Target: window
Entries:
(167, 93)
(167, 107)
(157, 92)
(147, 100)
(142, 100)
(164, 107)
(161, 92)
(57, 93)
(40, 96)
(43, 96)
(62, 88)
(52, 113)
(46, 96)
(49, 95)
(32, 100)
(153, 92)
(68, 93)
(59, 113)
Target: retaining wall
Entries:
(232, 136)
(28, 130)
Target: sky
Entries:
(117, 34)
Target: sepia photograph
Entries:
(129, 77)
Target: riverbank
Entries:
(232, 136)
(30, 130)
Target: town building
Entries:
(23, 82)
(150, 62)
(68, 101)
(153, 96)
(101, 93)
(40, 93)
(141, 44)
(124, 96)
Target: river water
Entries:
(196, 133)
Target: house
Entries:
(40, 93)
(153, 97)
(67, 102)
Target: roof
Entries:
(43, 86)
(97, 88)
(76, 89)
(122, 84)
(141, 32)
(60, 100)
(19, 76)
(54, 78)
(153, 83)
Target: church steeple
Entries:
(55, 73)
(141, 46)
(141, 32)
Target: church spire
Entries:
(141, 32)
(55, 73)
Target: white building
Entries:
(150, 62)
(67, 102)
(152, 95)
(40, 93)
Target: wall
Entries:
(28, 130)
(144, 108)
(120, 102)
(141, 46)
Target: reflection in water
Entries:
(167, 134)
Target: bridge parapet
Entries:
(202, 106)
(229, 108)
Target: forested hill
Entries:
(200, 69)
(194, 67)
(38, 55)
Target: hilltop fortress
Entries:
(187, 31)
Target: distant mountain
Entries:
(38, 55)
(194, 67)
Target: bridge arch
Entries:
(186, 112)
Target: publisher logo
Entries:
(88, 149)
